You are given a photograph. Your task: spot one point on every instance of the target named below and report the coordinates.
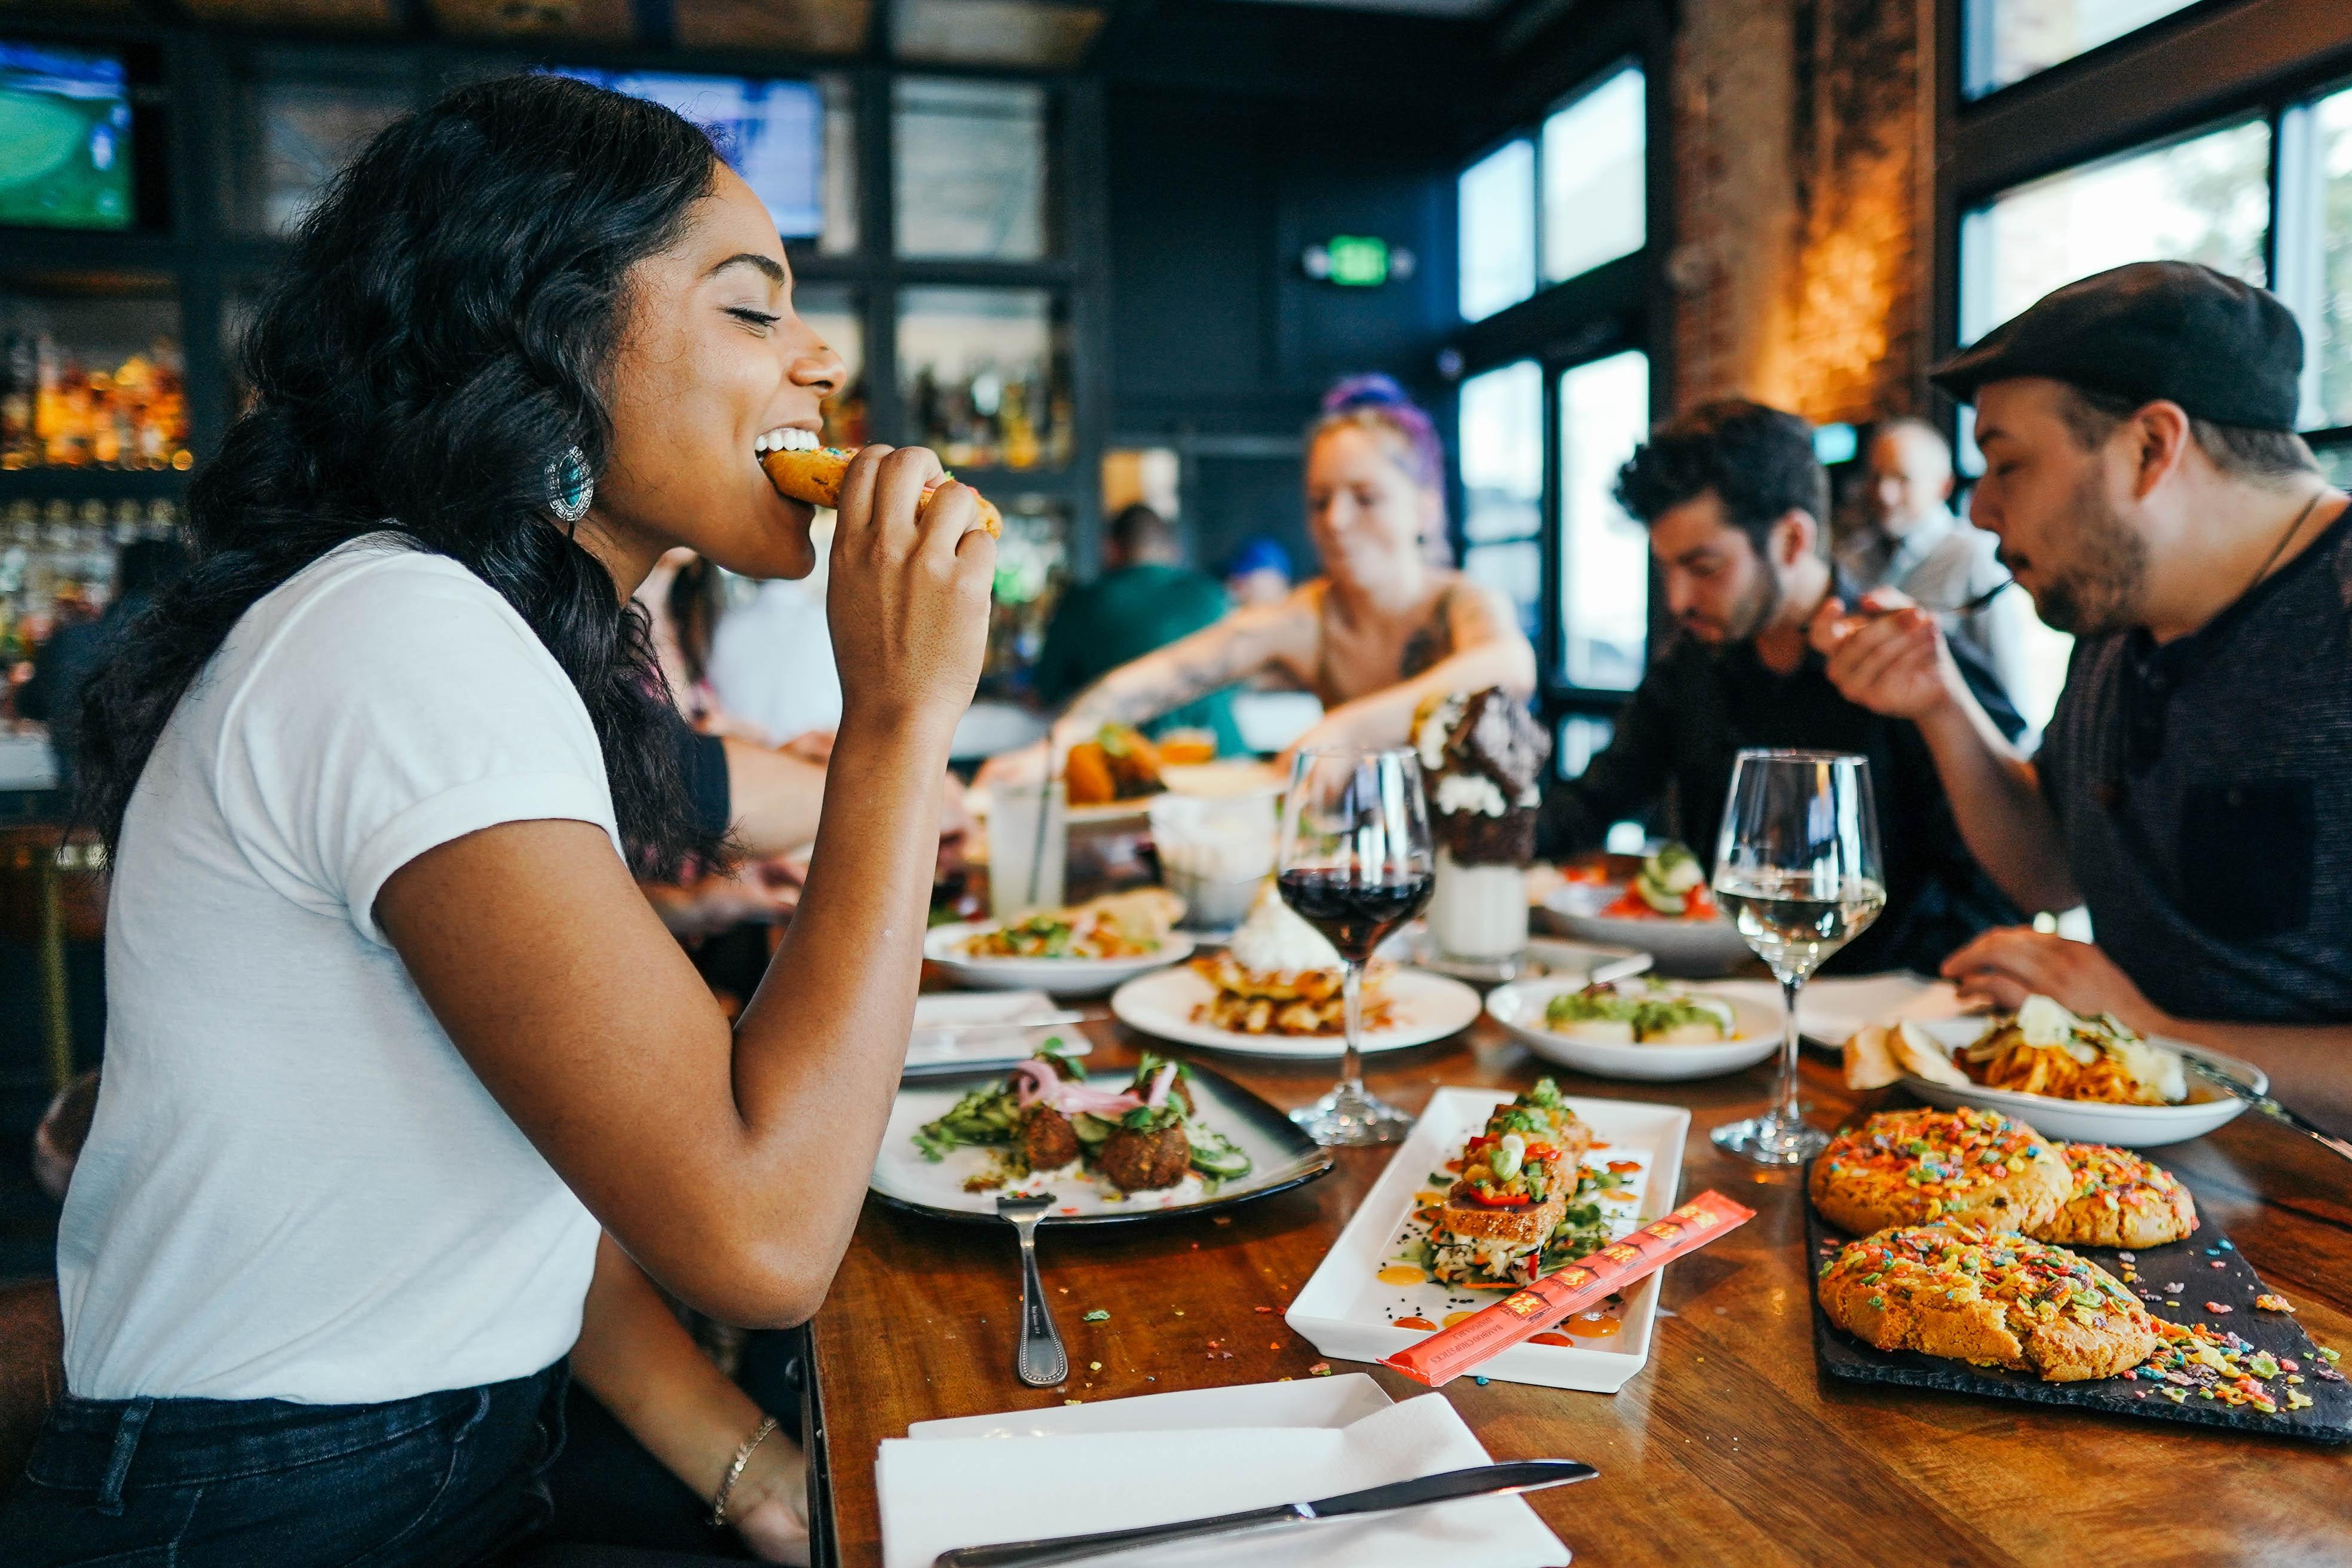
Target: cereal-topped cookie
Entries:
(1993, 1298)
(2119, 1200)
(1965, 1167)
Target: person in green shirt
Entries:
(1144, 599)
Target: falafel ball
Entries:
(1048, 1141)
(1142, 1162)
(1180, 1091)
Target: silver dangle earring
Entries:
(569, 486)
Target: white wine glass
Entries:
(1797, 869)
(1356, 863)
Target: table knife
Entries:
(2266, 1105)
(1527, 1475)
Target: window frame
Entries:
(2200, 68)
(1623, 303)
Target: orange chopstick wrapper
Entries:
(1532, 1308)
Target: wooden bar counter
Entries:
(1726, 1448)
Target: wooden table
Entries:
(1726, 1448)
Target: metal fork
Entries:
(1040, 1361)
(2267, 1105)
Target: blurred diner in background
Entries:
(789, 782)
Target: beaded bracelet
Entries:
(735, 1470)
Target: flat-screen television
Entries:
(770, 133)
(64, 137)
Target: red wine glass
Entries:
(1356, 863)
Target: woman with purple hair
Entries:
(1382, 628)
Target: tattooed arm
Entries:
(1242, 644)
(1487, 649)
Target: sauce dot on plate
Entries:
(1453, 1318)
(1401, 1274)
(1413, 1323)
(1586, 1328)
(1548, 1338)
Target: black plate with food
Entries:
(2260, 1355)
(1169, 1138)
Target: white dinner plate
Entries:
(1833, 1006)
(1422, 1007)
(1348, 1310)
(1060, 976)
(1543, 956)
(1519, 1007)
(1324, 1403)
(1281, 1157)
(2091, 1121)
(1699, 950)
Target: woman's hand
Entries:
(909, 593)
(1022, 766)
(768, 1507)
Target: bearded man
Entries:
(1733, 499)
(2194, 788)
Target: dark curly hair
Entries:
(443, 329)
(1758, 461)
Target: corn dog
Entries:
(813, 475)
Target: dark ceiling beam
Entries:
(656, 22)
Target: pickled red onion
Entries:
(1039, 1081)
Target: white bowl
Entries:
(1699, 950)
(1061, 976)
(1519, 1007)
(2092, 1121)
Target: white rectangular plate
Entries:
(1347, 1310)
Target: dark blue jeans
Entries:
(441, 1479)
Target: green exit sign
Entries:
(1357, 261)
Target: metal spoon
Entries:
(1041, 1361)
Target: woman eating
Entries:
(392, 1034)
(1380, 630)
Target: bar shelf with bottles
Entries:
(57, 559)
(91, 376)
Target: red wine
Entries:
(1355, 915)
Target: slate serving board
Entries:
(2190, 1263)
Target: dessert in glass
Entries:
(1482, 756)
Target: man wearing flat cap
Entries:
(2194, 788)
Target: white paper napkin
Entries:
(982, 1029)
(973, 1492)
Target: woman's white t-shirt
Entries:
(295, 1188)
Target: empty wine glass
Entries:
(1797, 868)
(1356, 863)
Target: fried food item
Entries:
(1968, 1167)
(1286, 1001)
(1989, 1298)
(1047, 1140)
(1120, 764)
(815, 476)
(2119, 1200)
(1517, 1176)
(1142, 1160)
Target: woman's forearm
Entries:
(1384, 718)
(1186, 670)
(639, 1362)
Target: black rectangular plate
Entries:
(2190, 1265)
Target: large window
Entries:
(1502, 484)
(1594, 161)
(1497, 218)
(1604, 555)
(2327, 275)
(2205, 197)
(1559, 202)
(971, 169)
(2009, 40)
